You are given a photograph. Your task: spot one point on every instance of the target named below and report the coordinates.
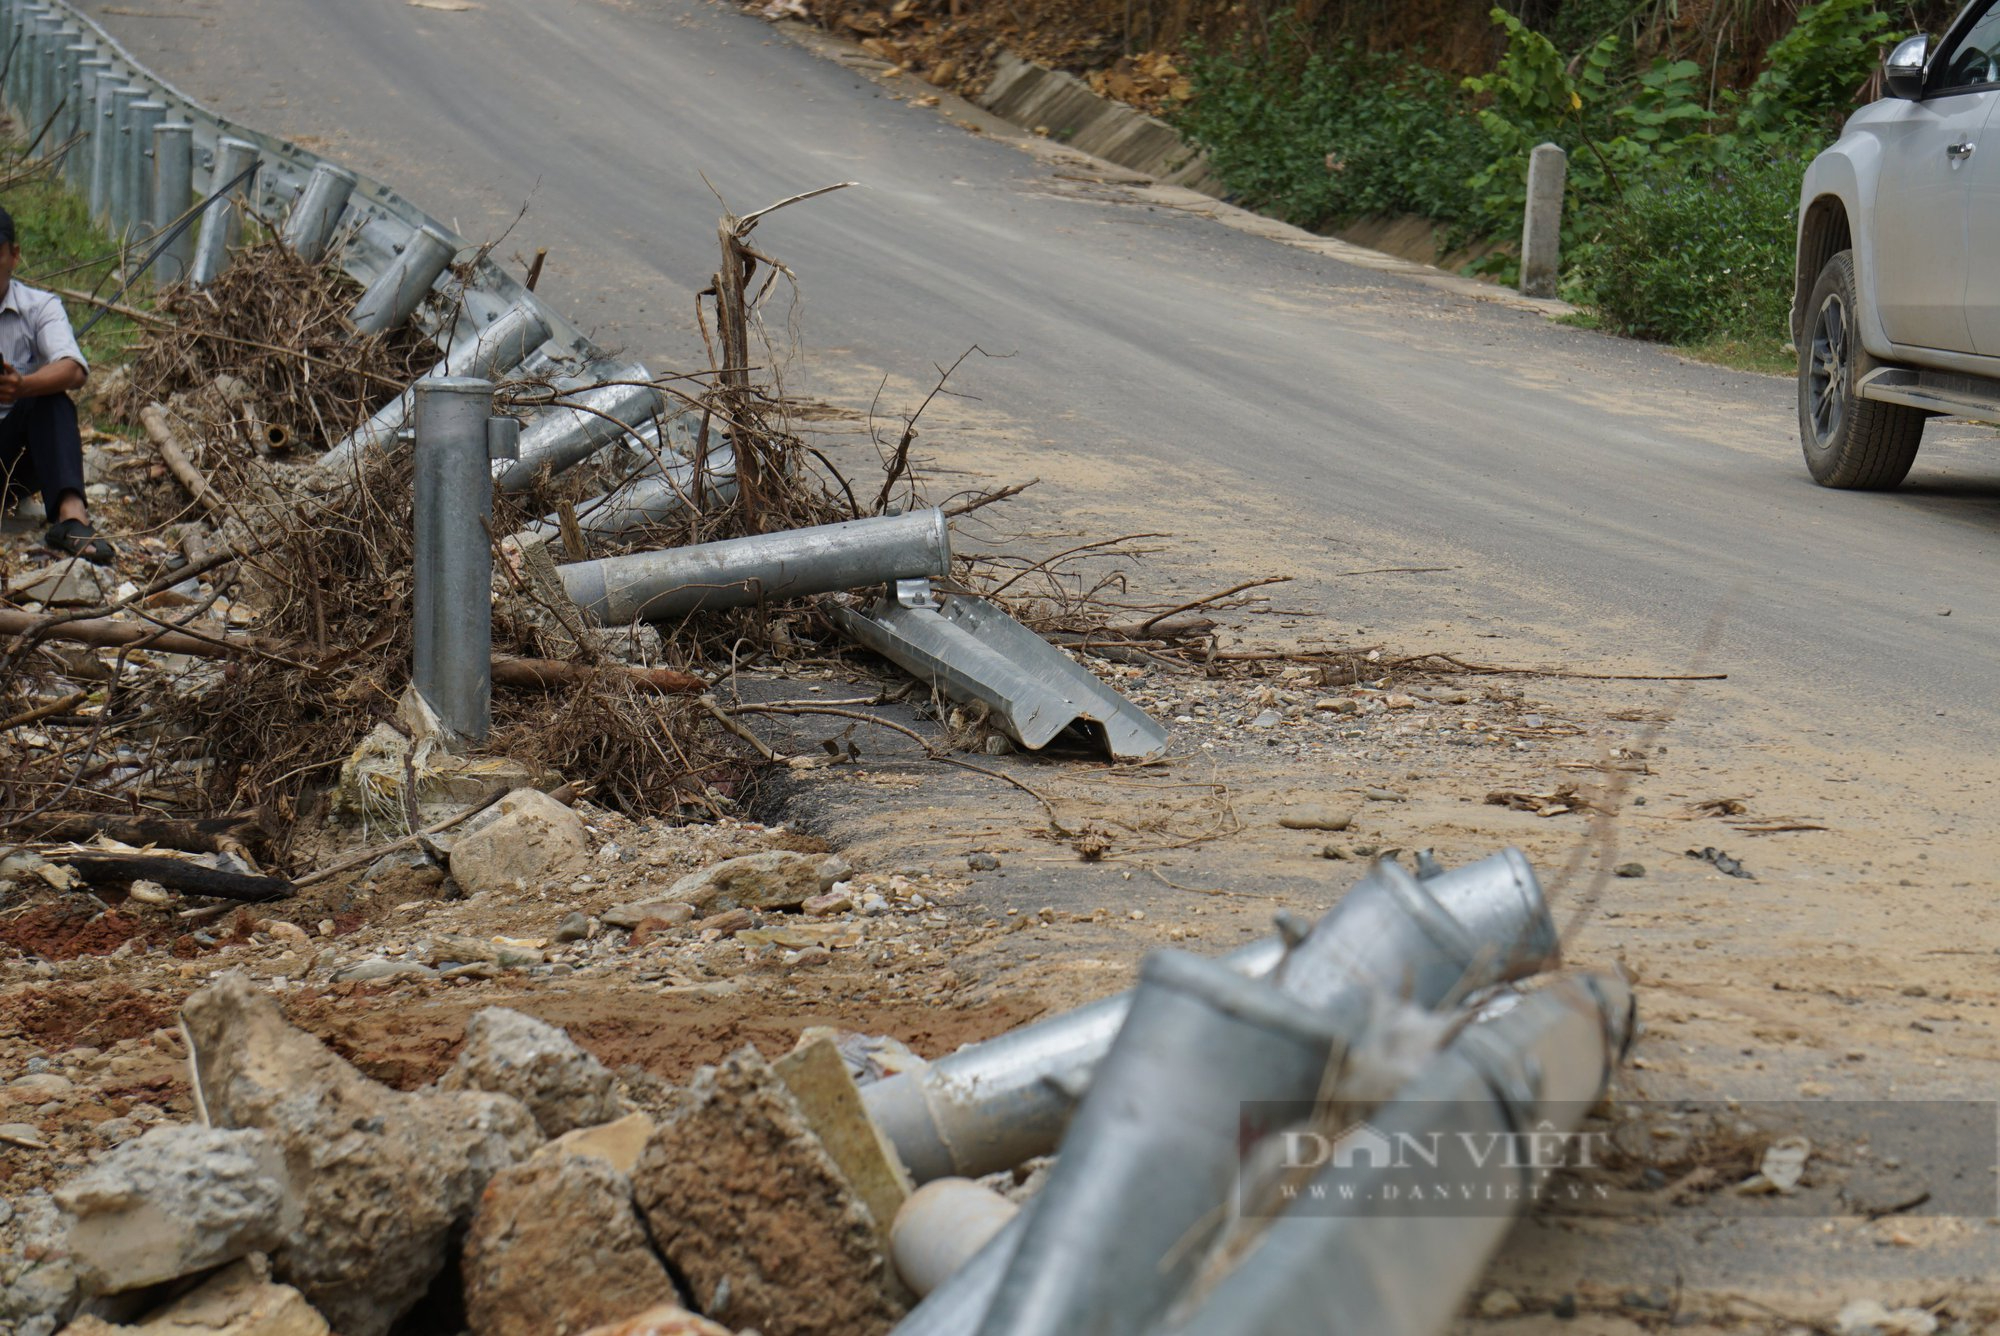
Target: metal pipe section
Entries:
(491, 353)
(90, 73)
(398, 290)
(143, 118)
(993, 1105)
(1121, 1225)
(1386, 1266)
(453, 565)
(103, 145)
(651, 498)
(118, 175)
(316, 214)
(70, 95)
(941, 1227)
(173, 195)
(564, 437)
(740, 572)
(222, 225)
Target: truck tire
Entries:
(1849, 441)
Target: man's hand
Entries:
(10, 385)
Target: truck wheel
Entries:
(1849, 441)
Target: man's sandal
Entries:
(77, 539)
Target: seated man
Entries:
(40, 448)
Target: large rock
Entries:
(512, 1054)
(754, 1214)
(618, 1144)
(773, 879)
(236, 1302)
(534, 841)
(666, 1320)
(71, 582)
(557, 1247)
(176, 1201)
(382, 1178)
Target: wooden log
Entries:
(153, 417)
(176, 874)
(210, 835)
(515, 674)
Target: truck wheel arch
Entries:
(1823, 234)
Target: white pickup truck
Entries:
(1896, 308)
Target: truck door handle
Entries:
(1961, 150)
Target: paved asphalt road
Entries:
(1288, 411)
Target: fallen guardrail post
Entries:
(492, 352)
(740, 572)
(397, 292)
(1484, 923)
(568, 434)
(222, 225)
(457, 437)
(173, 195)
(1382, 1265)
(651, 498)
(1112, 1239)
(1156, 1145)
(971, 650)
(315, 216)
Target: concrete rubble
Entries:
(743, 1201)
(556, 1245)
(507, 1053)
(383, 1178)
(238, 1301)
(175, 1202)
(534, 840)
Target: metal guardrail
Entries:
(68, 81)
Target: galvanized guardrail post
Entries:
(91, 72)
(395, 295)
(103, 112)
(492, 352)
(457, 438)
(316, 214)
(118, 170)
(1541, 221)
(41, 45)
(145, 117)
(222, 225)
(71, 96)
(173, 195)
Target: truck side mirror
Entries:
(1903, 71)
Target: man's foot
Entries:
(78, 539)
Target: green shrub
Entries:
(1320, 140)
(1691, 258)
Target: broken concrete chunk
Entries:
(557, 1246)
(744, 1201)
(65, 584)
(177, 1201)
(666, 1320)
(452, 948)
(382, 1178)
(618, 1144)
(773, 879)
(535, 841)
(819, 1080)
(632, 915)
(513, 1054)
(235, 1302)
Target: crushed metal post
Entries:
(973, 651)
(741, 572)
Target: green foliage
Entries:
(1679, 214)
(1325, 138)
(1695, 257)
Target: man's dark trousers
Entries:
(40, 448)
